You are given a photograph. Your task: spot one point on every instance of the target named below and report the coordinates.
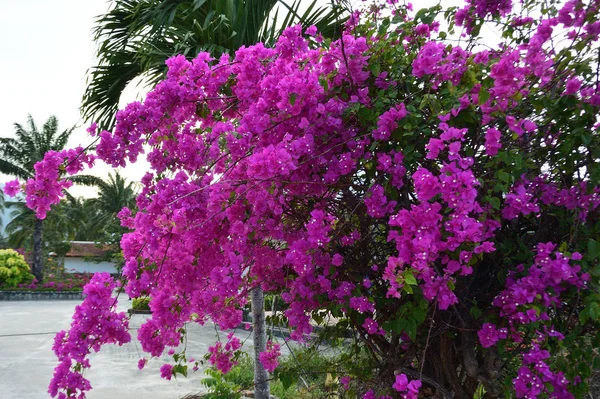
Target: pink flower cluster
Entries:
(46, 188)
(427, 231)
(370, 394)
(270, 357)
(408, 390)
(443, 65)
(388, 122)
(526, 196)
(95, 323)
(535, 378)
(482, 9)
(166, 371)
(222, 356)
(550, 275)
(12, 188)
(528, 300)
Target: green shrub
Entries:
(140, 303)
(306, 375)
(13, 269)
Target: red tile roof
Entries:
(86, 249)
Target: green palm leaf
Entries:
(135, 37)
(85, 180)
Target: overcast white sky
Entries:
(46, 48)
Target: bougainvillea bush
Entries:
(14, 270)
(433, 190)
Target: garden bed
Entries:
(38, 295)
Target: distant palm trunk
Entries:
(38, 262)
(261, 377)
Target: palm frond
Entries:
(11, 169)
(49, 130)
(105, 84)
(13, 151)
(85, 180)
(19, 155)
(24, 138)
(62, 139)
(135, 37)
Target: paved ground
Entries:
(27, 329)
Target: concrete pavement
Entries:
(27, 330)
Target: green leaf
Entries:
(584, 369)
(287, 380)
(593, 248)
(385, 24)
(475, 312)
(292, 98)
(451, 285)
(209, 382)
(398, 325)
(594, 310)
(409, 278)
(503, 176)
(324, 82)
(411, 329)
(420, 314)
(483, 96)
(376, 68)
(495, 202)
(180, 369)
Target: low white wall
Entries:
(79, 265)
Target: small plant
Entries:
(13, 269)
(222, 386)
(140, 303)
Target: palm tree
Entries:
(3, 209)
(114, 194)
(72, 219)
(18, 156)
(62, 224)
(135, 37)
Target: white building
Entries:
(6, 214)
(80, 258)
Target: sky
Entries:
(46, 47)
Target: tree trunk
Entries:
(261, 377)
(38, 259)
